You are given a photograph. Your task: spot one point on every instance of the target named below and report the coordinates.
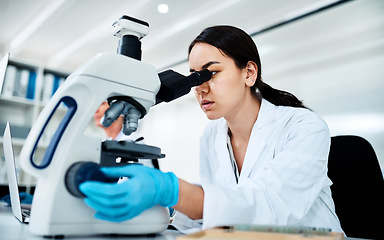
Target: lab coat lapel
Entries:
(256, 145)
(225, 173)
(257, 140)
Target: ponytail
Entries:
(278, 97)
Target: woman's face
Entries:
(223, 95)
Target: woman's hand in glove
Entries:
(144, 188)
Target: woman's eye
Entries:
(213, 73)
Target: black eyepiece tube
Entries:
(198, 78)
(175, 85)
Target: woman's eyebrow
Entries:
(206, 65)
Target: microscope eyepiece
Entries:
(175, 85)
(200, 77)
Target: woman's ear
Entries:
(252, 72)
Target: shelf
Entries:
(16, 101)
(16, 142)
(25, 89)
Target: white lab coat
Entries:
(283, 179)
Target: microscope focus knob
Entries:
(80, 172)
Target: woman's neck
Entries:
(240, 128)
(241, 123)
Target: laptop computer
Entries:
(21, 213)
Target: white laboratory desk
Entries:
(12, 229)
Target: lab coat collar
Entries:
(257, 140)
(266, 114)
(223, 165)
(256, 144)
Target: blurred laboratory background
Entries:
(330, 54)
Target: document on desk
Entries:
(263, 232)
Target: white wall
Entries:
(176, 128)
(334, 61)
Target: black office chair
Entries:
(358, 187)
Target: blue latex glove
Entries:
(144, 188)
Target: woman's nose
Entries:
(203, 88)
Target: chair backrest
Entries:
(358, 187)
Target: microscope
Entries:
(70, 157)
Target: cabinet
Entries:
(25, 89)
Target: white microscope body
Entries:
(131, 87)
(54, 210)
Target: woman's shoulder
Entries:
(299, 113)
(299, 116)
(288, 116)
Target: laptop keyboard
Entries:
(26, 213)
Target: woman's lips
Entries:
(205, 104)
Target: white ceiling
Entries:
(63, 34)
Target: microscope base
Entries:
(152, 221)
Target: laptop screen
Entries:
(11, 173)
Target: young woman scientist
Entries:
(263, 157)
